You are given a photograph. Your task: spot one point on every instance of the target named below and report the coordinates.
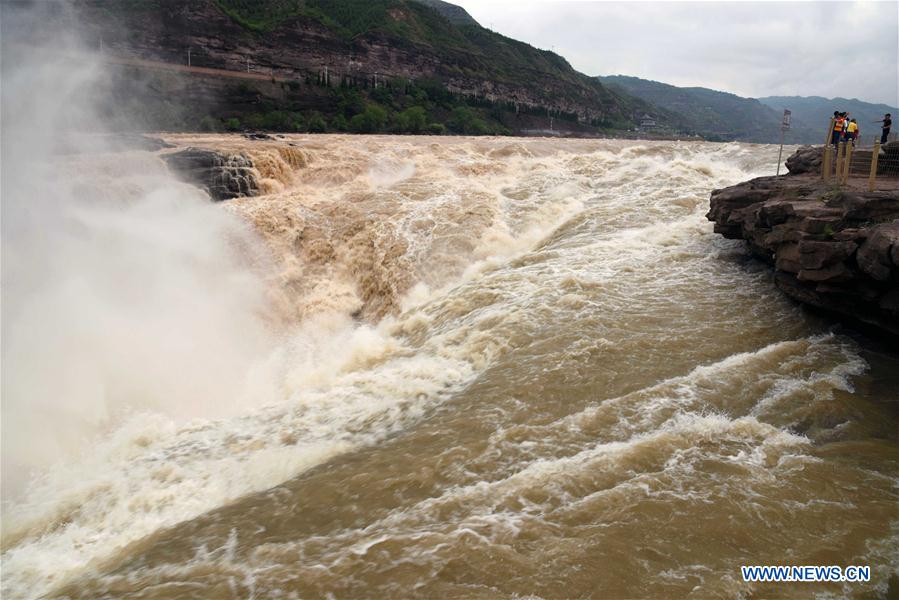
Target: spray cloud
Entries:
(123, 290)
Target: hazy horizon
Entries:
(752, 49)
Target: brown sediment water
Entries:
(500, 368)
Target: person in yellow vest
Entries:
(852, 131)
(838, 121)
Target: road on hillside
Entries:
(166, 66)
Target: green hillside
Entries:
(714, 115)
(817, 111)
(350, 65)
(446, 31)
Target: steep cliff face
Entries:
(832, 249)
(346, 43)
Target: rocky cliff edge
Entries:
(831, 248)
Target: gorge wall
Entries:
(411, 41)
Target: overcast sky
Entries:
(754, 49)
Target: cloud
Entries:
(755, 49)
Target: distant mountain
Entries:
(714, 115)
(817, 111)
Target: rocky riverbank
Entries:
(831, 248)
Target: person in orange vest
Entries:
(838, 121)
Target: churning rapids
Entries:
(436, 367)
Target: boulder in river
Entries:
(258, 135)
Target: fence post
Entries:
(847, 162)
(829, 135)
(875, 153)
(838, 171)
(826, 163)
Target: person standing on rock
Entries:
(852, 131)
(837, 128)
(887, 123)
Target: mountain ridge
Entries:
(715, 115)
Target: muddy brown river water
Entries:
(489, 367)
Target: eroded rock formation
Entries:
(837, 250)
(805, 160)
(222, 176)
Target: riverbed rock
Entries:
(834, 250)
(223, 176)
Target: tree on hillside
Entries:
(371, 120)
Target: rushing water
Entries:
(494, 367)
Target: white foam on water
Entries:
(155, 474)
(331, 384)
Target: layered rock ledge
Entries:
(222, 176)
(834, 249)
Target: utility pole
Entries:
(188, 57)
(248, 64)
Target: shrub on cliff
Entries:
(465, 120)
(316, 123)
(412, 120)
(371, 120)
(208, 123)
(339, 123)
(350, 102)
(298, 124)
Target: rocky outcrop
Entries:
(223, 177)
(806, 160)
(834, 250)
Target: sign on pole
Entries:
(784, 125)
